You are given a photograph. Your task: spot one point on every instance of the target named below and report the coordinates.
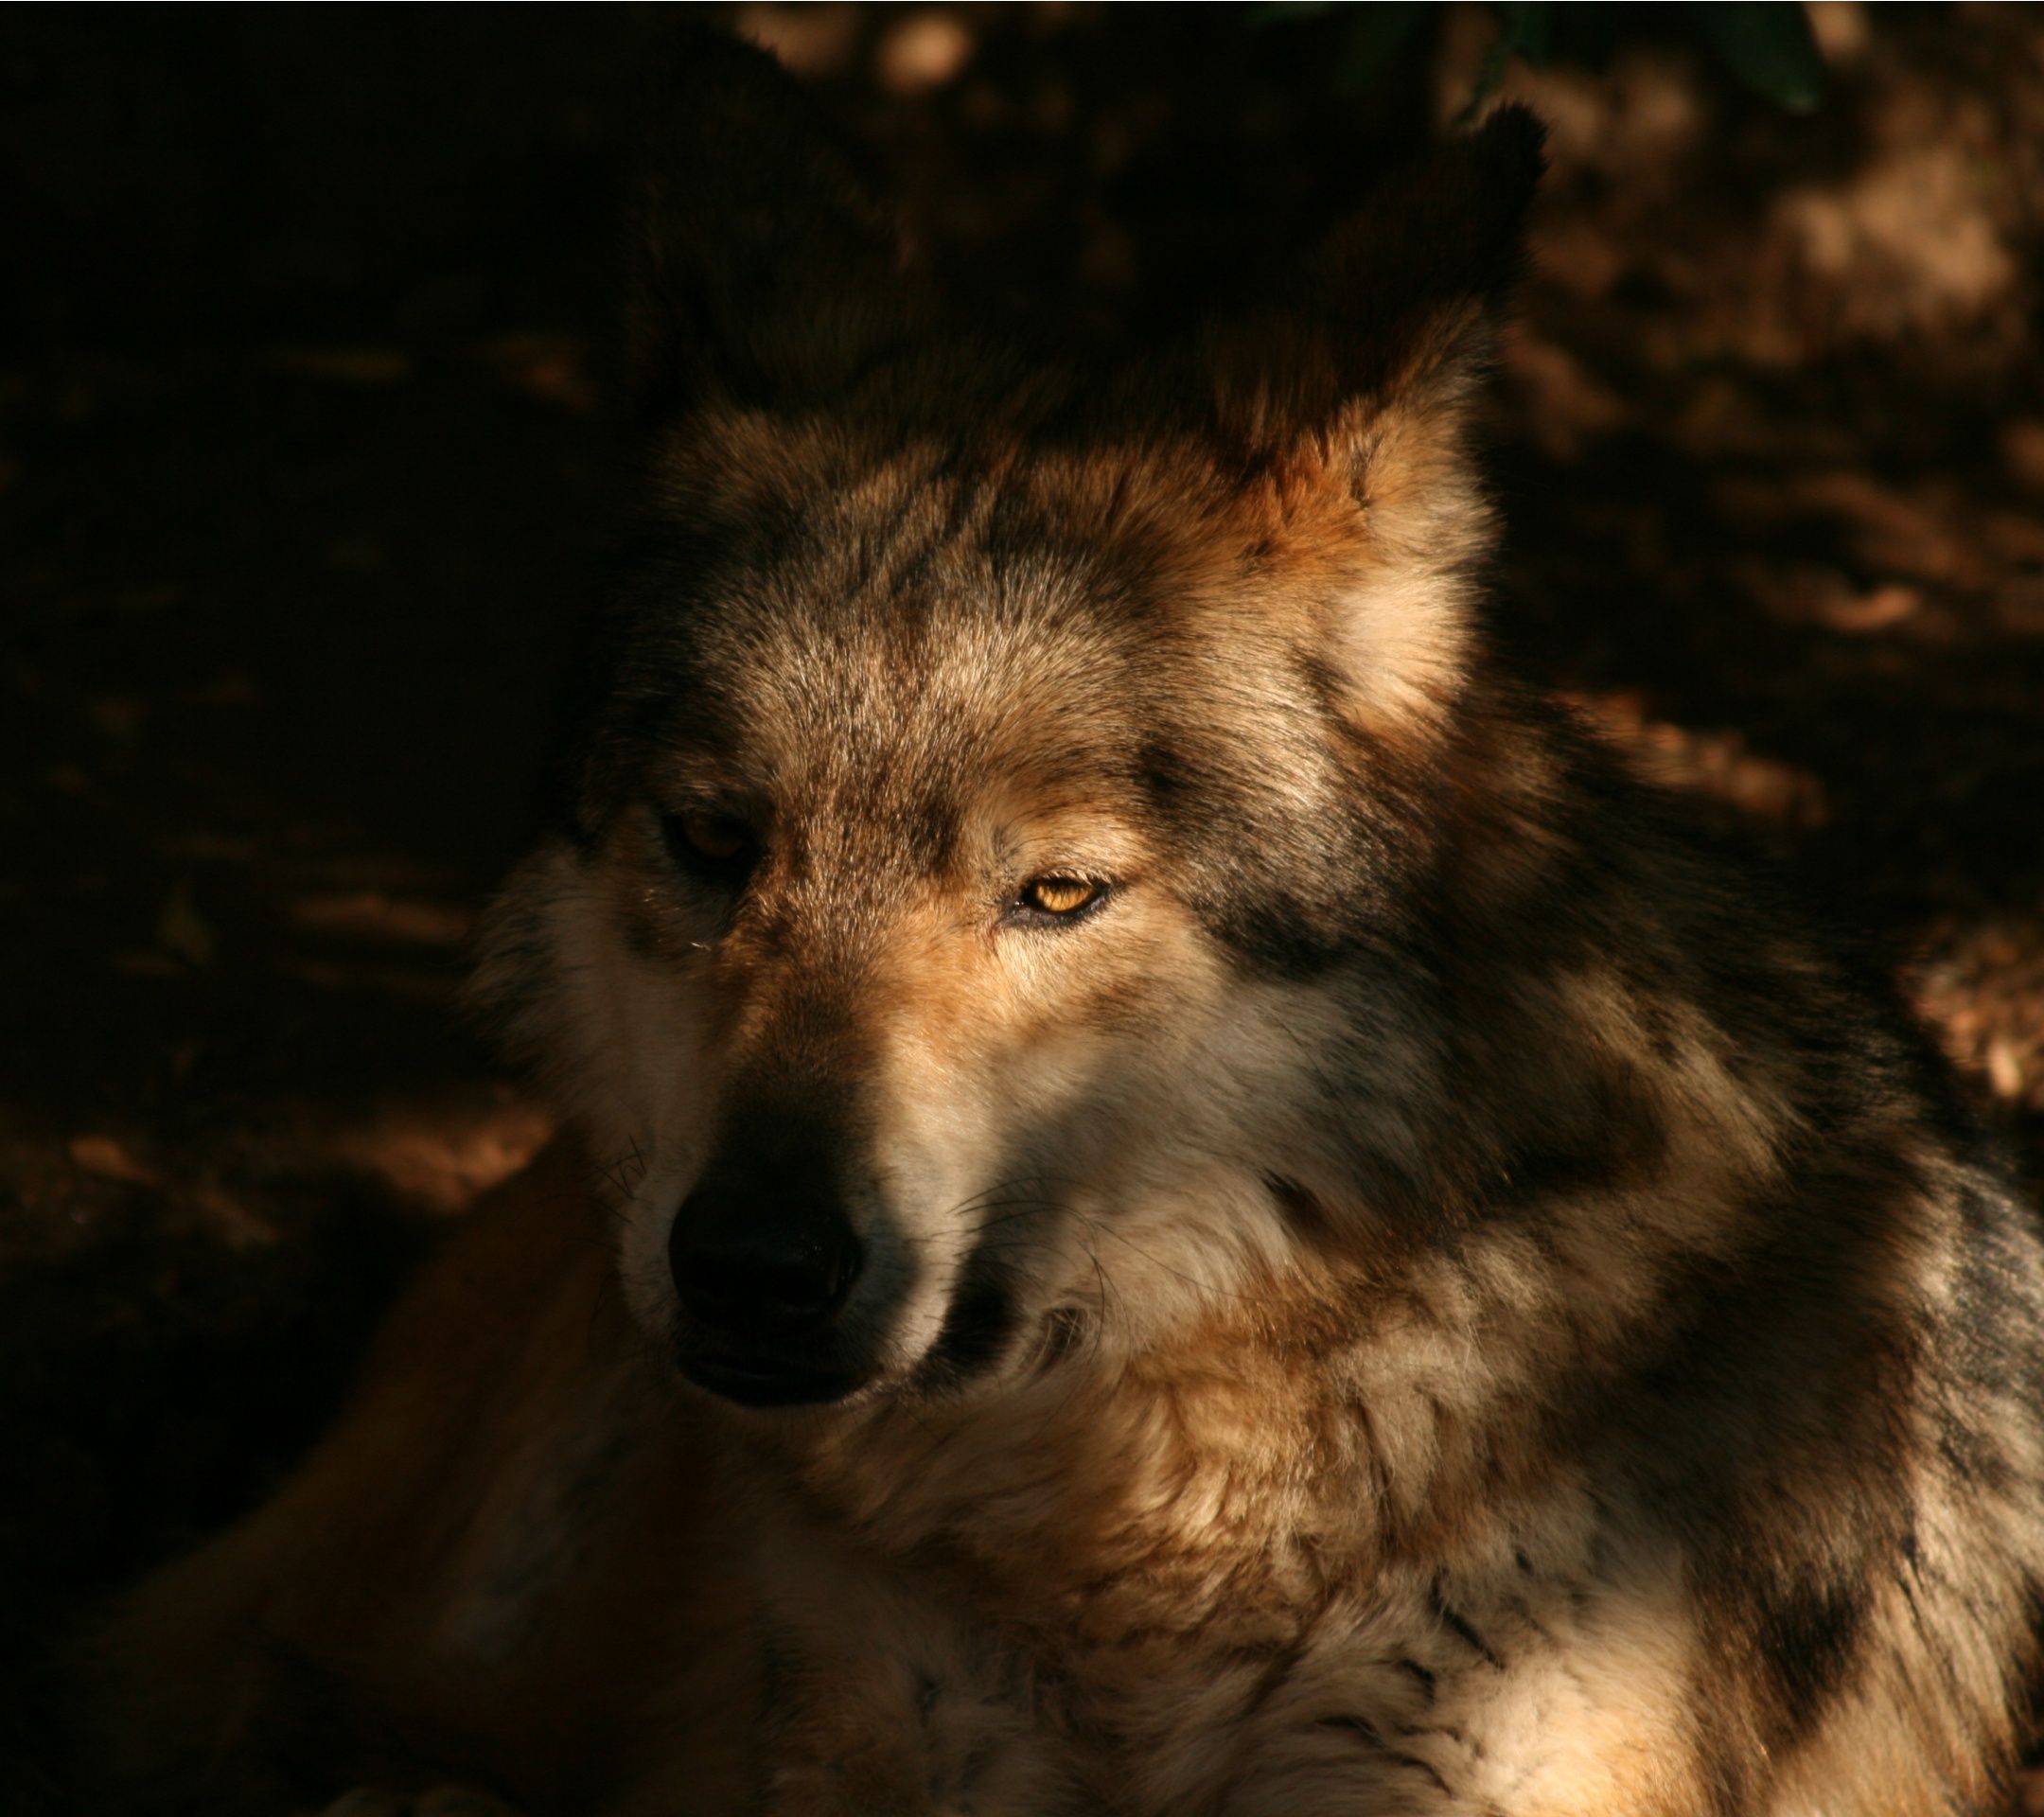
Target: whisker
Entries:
(1164, 1267)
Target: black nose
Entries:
(760, 1255)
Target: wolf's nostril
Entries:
(752, 1274)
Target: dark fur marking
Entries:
(930, 832)
(1279, 935)
(1612, 1134)
(1367, 1733)
(1419, 1674)
(1809, 1639)
(1163, 776)
(1795, 1513)
(1281, 895)
(1301, 1210)
(978, 1324)
(1277, 1671)
(1459, 1626)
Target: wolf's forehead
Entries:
(939, 613)
(906, 677)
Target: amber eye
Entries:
(1060, 896)
(704, 839)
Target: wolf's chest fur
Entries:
(1230, 1584)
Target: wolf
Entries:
(1182, 1199)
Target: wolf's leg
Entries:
(477, 1577)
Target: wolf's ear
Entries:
(1347, 403)
(765, 270)
(1391, 322)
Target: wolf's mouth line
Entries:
(764, 1385)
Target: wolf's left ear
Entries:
(765, 271)
(1347, 401)
(1388, 327)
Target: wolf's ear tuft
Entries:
(765, 270)
(1354, 390)
(1451, 229)
(1396, 309)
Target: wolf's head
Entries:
(985, 908)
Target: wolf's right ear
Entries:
(1385, 330)
(1348, 402)
(765, 270)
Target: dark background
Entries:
(301, 461)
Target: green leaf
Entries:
(1375, 33)
(1281, 12)
(1527, 30)
(1768, 45)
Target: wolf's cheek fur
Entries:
(1111, 1129)
(621, 1035)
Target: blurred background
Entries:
(303, 462)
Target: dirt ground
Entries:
(302, 466)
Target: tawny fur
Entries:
(1441, 1297)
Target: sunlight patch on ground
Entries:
(1716, 763)
(443, 1156)
(370, 914)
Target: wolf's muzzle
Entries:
(764, 1255)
